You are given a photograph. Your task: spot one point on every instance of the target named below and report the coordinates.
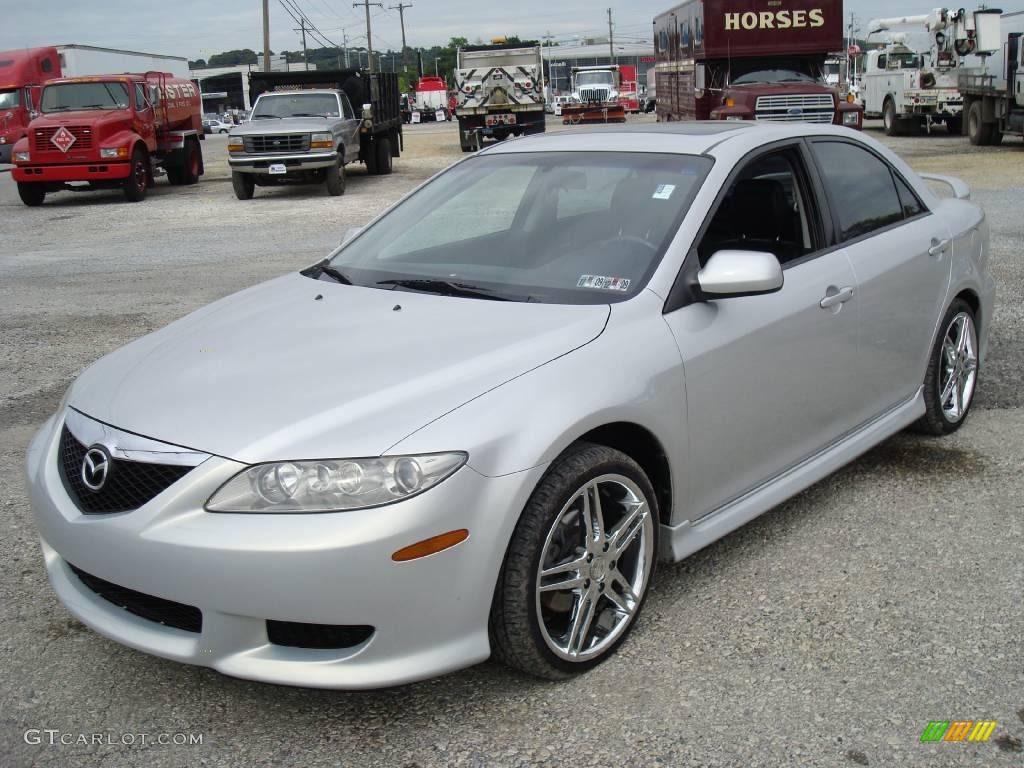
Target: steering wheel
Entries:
(633, 239)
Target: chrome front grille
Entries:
(82, 134)
(285, 142)
(796, 108)
(593, 94)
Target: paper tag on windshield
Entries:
(664, 191)
(603, 283)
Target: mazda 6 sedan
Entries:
(476, 426)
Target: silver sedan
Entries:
(479, 424)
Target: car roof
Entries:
(686, 138)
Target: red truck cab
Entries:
(742, 60)
(110, 131)
(21, 74)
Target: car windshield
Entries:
(773, 76)
(296, 105)
(9, 99)
(552, 227)
(594, 78)
(64, 97)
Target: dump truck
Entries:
(500, 92)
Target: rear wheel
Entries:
(31, 193)
(137, 183)
(383, 156)
(952, 372)
(979, 132)
(578, 565)
(889, 119)
(243, 184)
(335, 181)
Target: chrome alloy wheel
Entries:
(958, 367)
(594, 567)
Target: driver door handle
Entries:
(834, 296)
(938, 247)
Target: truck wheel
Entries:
(193, 163)
(383, 150)
(243, 184)
(31, 193)
(137, 183)
(335, 181)
(889, 120)
(370, 159)
(979, 132)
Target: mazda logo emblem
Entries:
(95, 468)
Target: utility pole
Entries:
(611, 48)
(401, 17)
(344, 46)
(369, 39)
(302, 29)
(266, 35)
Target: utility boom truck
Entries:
(910, 89)
(994, 98)
(500, 92)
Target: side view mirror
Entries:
(730, 274)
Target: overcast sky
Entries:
(197, 28)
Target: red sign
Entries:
(63, 139)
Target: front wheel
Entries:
(137, 183)
(243, 184)
(32, 194)
(578, 565)
(335, 181)
(978, 131)
(952, 374)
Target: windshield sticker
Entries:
(663, 192)
(603, 283)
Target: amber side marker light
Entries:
(430, 546)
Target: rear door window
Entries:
(861, 188)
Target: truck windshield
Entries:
(594, 78)
(64, 97)
(550, 227)
(773, 76)
(296, 105)
(9, 99)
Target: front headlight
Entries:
(333, 485)
(236, 144)
(850, 118)
(114, 152)
(22, 157)
(321, 141)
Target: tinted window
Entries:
(860, 186)
(911, 205)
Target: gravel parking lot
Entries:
(828, 632)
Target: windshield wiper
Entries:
(265, 117)
(304, 114)
(325, 268)
(444, 288)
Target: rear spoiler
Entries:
(960, 189)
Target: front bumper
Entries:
(240, 570)
(261, 163)
(99, 171)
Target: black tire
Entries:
(383, 150)
(243, 184)
(31, 193)
(193, 163)
(955, 125)
(370, 160)
(936, 420)
(516, 635)
(335, 179)
(978, 131)
(222, 130)
(137, 183)
(890, 122)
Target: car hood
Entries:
(283, 125)
(275, 373)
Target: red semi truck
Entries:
(750, 60)
(111, 131)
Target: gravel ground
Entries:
(828, 632)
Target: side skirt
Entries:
(680, 541)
